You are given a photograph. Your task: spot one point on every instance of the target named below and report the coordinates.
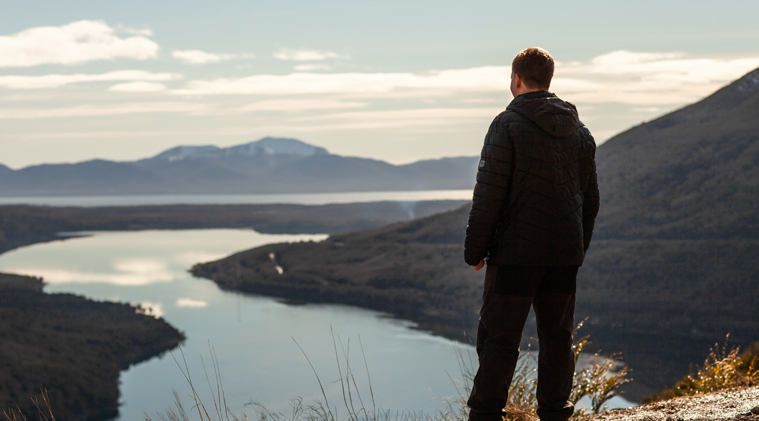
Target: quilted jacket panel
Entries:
(536, 197)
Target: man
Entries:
(532, 216)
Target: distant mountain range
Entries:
(673, 267)
(269, 165)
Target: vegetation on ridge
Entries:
(72, 347)
(21, 225)
(722, 369)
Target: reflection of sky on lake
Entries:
(253, 336)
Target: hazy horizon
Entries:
(395, 81)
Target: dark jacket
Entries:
(536, 197)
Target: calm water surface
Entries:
(254, 337)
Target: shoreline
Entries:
(415, 271)
(71, 347)
(88, 388)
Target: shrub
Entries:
(722, 369)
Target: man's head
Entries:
(531, 70)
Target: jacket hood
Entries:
(555, 116)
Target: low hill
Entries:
(22, 225)
(672, 268)
(72, 347)
(269, 165)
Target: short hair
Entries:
(535, 66)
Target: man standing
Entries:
(532, 216)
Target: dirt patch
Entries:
(736, 404)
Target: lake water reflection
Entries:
(253, 336)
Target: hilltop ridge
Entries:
(265, 146)
(693, 173)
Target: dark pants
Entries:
(508, 294)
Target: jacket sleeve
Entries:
(494, 174)
(590, 205)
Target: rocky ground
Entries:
(735, 404)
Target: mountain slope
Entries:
(265, 146)
(91, 177)
(269, 165)
(693, 173)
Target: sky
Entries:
(399, 81)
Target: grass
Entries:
(44, 409)
(722, 369)
(598, 381)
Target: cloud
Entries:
(75, 43)
(134, 31)
(478, 79)
(299, 105)
(643, 79)
(103, 110)
(305, 55)
(648, 78)
(202, 57)
(405, 118)
(311, 67)
(138, 87)
(56, 80)
(189, 302)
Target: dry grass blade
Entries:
(368, 378)
(12, 416)
(723, 368)
(351, 416)
(321, 387)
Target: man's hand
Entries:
(479, 265)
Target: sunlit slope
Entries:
(690, 174)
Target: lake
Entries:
(230, 199)
(254, 337)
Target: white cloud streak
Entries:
(56, 80)
(621, 76)
(305, 55)
(648, 78)
(202, 57)
(104, 110)
(293, 105)
(134, 31)
(311, 67)
(393, 119)
(478, 79)
(138, 87)
(75, 43)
